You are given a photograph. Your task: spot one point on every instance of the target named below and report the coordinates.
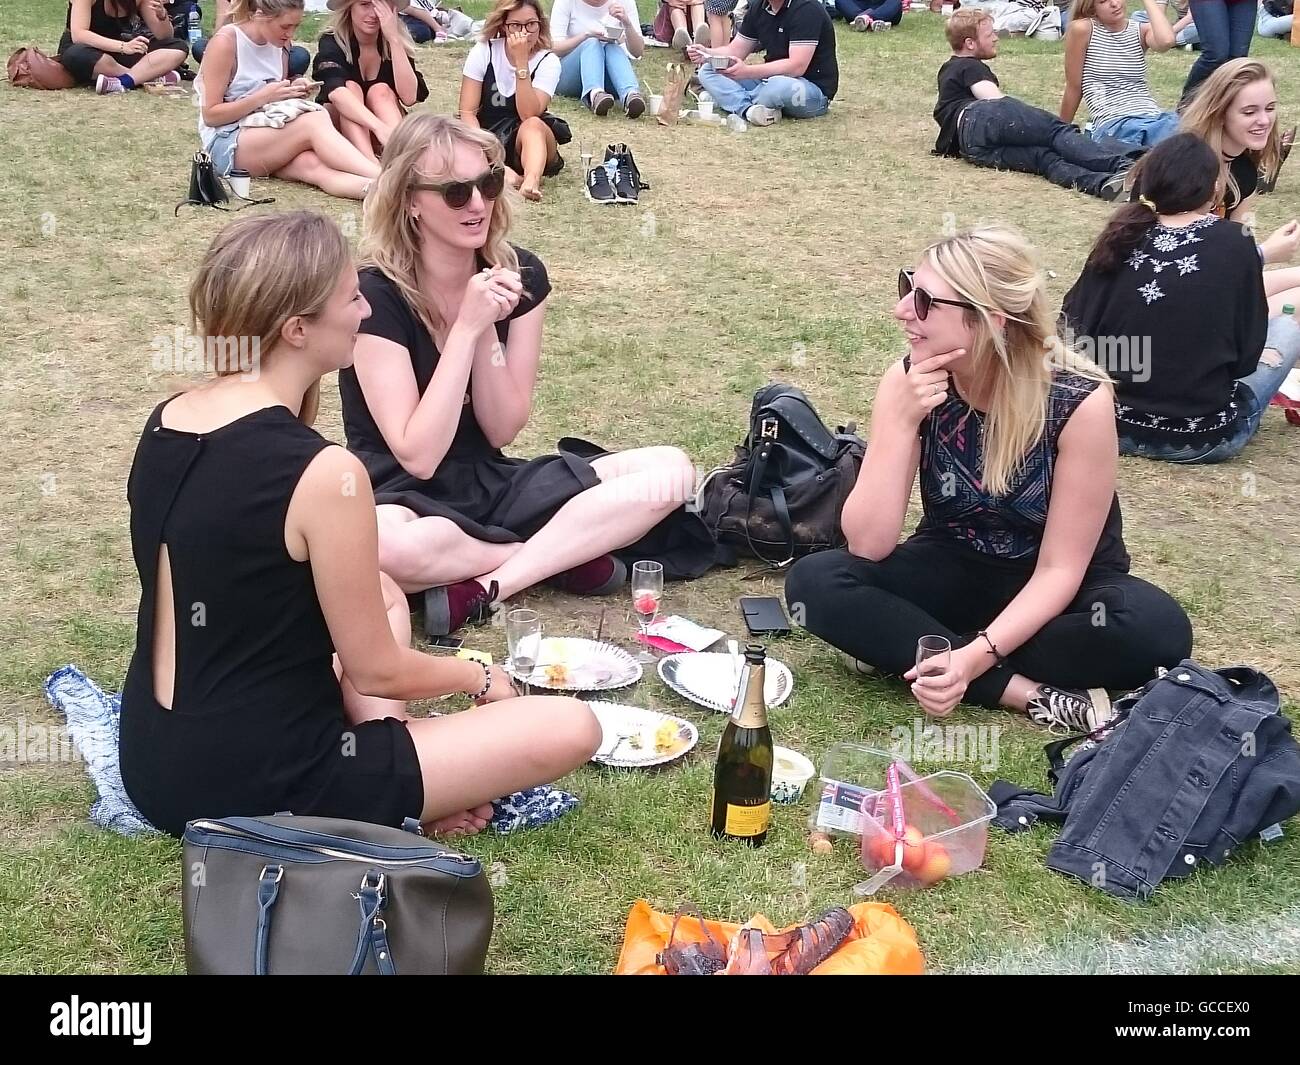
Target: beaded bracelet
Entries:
(487, 684)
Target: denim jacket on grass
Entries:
(1200, 761)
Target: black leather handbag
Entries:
(783, 495)
(208, 190)
(316, 895)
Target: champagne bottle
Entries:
(742, 780)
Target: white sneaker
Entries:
(758, 115)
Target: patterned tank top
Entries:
(1009, 526)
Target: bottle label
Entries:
(748, 820)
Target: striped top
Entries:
(1115, 74)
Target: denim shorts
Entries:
(222, 150)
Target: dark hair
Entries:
(1177, 175)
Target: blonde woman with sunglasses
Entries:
(444, 378)
(1019, 561)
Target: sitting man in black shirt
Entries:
(979, 122)
(799, 76)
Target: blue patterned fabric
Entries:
(952, 470)
(93, 717)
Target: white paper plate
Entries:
(617, 747)
(709, 679)
(588, 666)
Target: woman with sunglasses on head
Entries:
(1177, 293)
(1019, 560)
(368, 79)
(444, 375)
(272, 663)
(508, 81)
(245, 68)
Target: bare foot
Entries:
(532, 191)
(514, 178)
(465, 823)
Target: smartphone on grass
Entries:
(764, 615)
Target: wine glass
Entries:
(647, 597)
(524, 637)
(933, 656)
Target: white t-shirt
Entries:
(544, 67)
(570, 17)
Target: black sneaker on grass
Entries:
(599, 188)
(627, 176)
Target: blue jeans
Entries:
(1273, 25)
(299, 57)
(1225, 31)
(597, 66)
(1143, 131)
(1187, 35)
(1254, 393)
(796, 97)
(421, 32)
(881, 11)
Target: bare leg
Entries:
(386, 107)
(637, 490)
(357, 135)
(537, 147)
(698, 17)
(265, 151)
(677, 16)
(152, 65)
(419, 553)
(473, 757)
(308, 168)
(360, 707)
(719, 30)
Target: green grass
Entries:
(769, 255)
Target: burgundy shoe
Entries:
(600, 576)
(449, 606)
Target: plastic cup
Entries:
(705, 107)
(791, 772)
(656, 104)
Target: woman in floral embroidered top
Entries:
(1019, 560)
(1171, 302)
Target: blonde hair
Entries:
(258, 273)
(1084, 9)
(495, 24)
(994, 267)
(964, 24)
(1205, 117)
(243, 10)
(340, 25)
(391, 239)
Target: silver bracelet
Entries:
(487, 684)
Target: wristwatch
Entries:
(521, 73)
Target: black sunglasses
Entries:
(490, 183)
(921, 299)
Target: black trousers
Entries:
(1009, 134)
(1113, 635)
(79, 59)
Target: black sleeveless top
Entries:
(257, 711)
(114, 27)
(1009, 526)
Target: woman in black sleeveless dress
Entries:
(266, 674)
(443, 379)
(509, 78)
(1019, 561)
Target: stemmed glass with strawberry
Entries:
(647, 597)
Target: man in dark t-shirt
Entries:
(799, 75)
(979, 122)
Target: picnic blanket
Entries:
(94, 722)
